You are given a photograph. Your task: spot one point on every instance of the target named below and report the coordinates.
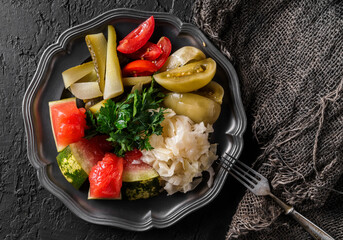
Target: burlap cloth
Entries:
(289, 59)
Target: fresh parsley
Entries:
(130, 123)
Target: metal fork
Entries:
(259, 186)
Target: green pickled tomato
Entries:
(183, 56)
(188, 78)
(196, 107)
(212, 91)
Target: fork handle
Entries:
(310, 227)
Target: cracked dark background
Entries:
(27, 210)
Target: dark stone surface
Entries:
(28, 211)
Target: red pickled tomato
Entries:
(105, 178)
(72, 125)
(165, 45)
(139, 68)
(138, 37)
(150, 51)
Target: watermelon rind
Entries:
(83, 155)
(140, 181)
(70, 168)
(133, 175)
(141, 189)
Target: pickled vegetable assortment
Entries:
(141, 108)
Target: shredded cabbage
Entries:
(181, 153)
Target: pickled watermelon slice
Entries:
(67, 121)
(71, 168)
(76, 160)
(135, 169)
(140, 180)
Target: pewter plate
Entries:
(47, 85)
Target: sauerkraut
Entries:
(181, 153)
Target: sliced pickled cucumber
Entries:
(74, 74)
(113, 81)
(183, 56)
(212, 91)
(90, 77)
(131, 81)
(96, 107)
(85, 90)
(97, 46)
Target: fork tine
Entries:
(226, 166)
(238, 175)
(240, 180)
(258, 176)
(250, 170)
(230, 166)
(250, 185)
(246, 174)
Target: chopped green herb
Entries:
(91, 123)
(130, 123)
